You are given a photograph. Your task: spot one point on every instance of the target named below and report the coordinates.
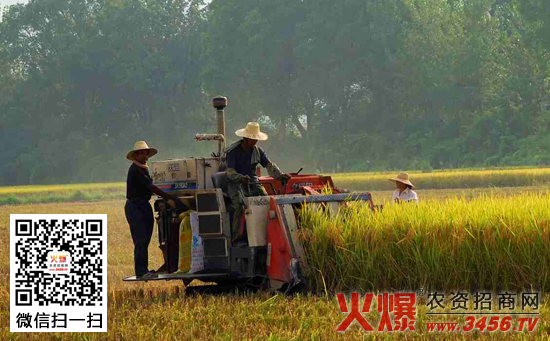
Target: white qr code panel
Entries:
(58, 272)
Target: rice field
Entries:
(16, 195)
(162, 311)
(535, 179)
(470, 239)
(490, 243)
(38, 189)
(446, 179)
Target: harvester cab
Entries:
(198, 244)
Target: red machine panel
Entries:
(279, 252)
(298, 184)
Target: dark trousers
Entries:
(139, 215)
(250, 190)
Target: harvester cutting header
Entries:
(241, 227)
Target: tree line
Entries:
(345, 85)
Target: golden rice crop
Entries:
(493, 243)
(33, 189)
(462, 179)
(161, 311)
(447, 179)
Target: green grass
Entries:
(53, 198)
(37, 189)
(17, 195)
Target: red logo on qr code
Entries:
(57, 262)
(58, 272)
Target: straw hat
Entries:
(252, 131)
(140, 145)
(403, 178)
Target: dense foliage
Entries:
(338, 85)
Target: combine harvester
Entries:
(274, 257)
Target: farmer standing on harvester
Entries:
(139, 213)
(242, 157)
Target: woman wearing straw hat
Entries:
(404, 192)
(139, 213)
(242, 157)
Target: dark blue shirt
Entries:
(239, 160)
(137, 183)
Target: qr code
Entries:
(58, 264)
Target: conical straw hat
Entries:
(252, 131)
(403, 178)
(140, 145)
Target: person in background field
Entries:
(242, 157)
(139, 213)
(404, 191)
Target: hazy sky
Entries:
(10, 2)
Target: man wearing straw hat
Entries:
(242, 157)
(139, 213)
(404, 192)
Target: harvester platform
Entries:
(211, 277)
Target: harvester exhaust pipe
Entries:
(219, 103)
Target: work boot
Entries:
(148, 275)
(161, 270)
